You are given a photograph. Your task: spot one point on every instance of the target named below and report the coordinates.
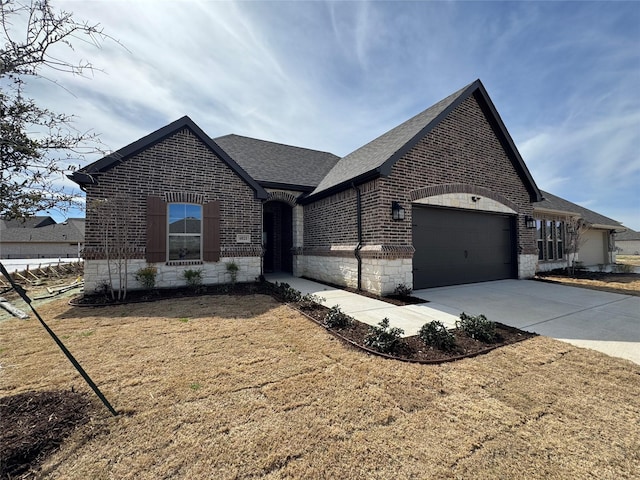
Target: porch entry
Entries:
(277, 237)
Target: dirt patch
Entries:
(38, 290)
(34, 425)
(624, 283)
(244, 387)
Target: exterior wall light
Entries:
(397, 212)
(530, 222)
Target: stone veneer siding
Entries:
(462, 154)
(180, 166)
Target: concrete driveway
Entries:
(607, 322)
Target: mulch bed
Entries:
(34, 424)
(413, 349)
(139, 296)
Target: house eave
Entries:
(360, 179)
(616, 228)
(551, 211)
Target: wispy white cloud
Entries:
(333, 75)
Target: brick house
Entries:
(443, 198)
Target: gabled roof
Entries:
(555, 204)
(276, 165)
(378, 156)
(91, 173)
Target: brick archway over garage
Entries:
(434, 190)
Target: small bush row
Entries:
(146, 276)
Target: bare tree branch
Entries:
(38, 145)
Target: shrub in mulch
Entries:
(34, 424)
(413, 348)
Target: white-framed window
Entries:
(184, 232)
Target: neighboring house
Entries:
(556, 221)
(628, 242)
(444, 198)
(41, 237)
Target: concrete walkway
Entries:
(607, 322)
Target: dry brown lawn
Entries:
(243, 387)
(628, 259)
(618, 283)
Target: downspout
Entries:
(356, 252)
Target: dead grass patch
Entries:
(243, 387)
(627, 284)
(628, 259)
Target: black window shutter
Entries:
(156, 230)
(211, 231)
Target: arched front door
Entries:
(277, 237)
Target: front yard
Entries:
(243, 387)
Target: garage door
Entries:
(459, 246)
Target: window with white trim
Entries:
(184, 232)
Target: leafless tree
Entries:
(116, 235)
(38, 145)
(576, 229)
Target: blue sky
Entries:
(564, 76)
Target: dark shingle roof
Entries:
(378, 156)
(628, 234)
(29, 222)
(275, 164)
(555, 203)
(68, 232)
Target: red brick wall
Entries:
(178, 164)
(331, 221)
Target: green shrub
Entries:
(384, 339)
(403, 290)
(309, 301)
(286, 293)
(147, 276)
(478, 328)
(232, 270)
(336, 318)
(193, 278)
(436, 335)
